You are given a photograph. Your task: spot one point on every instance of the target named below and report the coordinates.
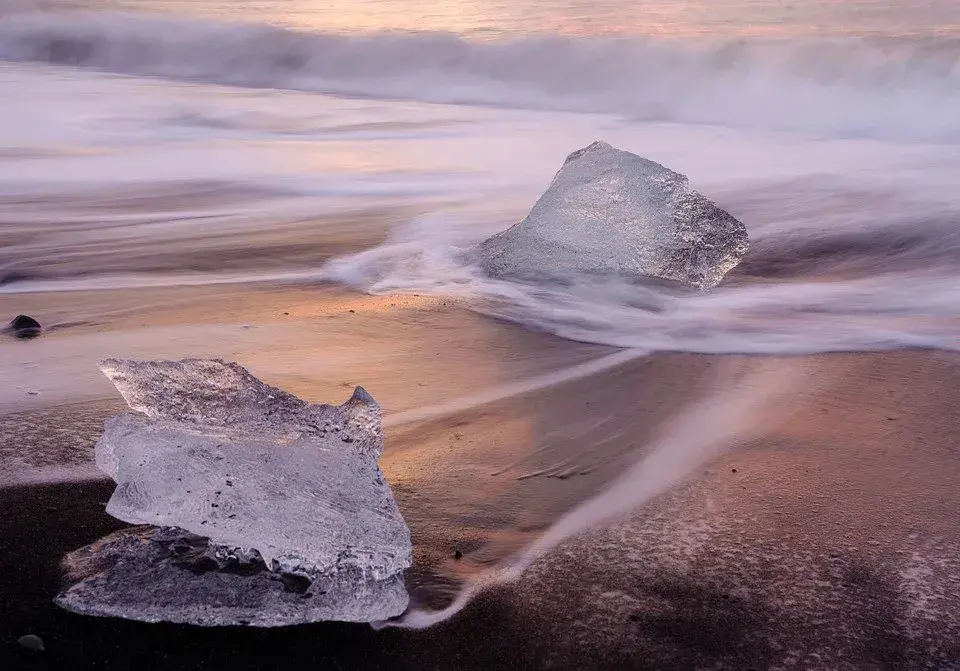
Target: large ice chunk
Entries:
(264, 490)
(607, 212)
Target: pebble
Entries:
(24, 327)
(31, 642)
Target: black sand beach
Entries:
(827, 538)
(598, 470)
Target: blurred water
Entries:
(157, 143)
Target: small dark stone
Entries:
(298, 584)
(24, 327)
(205, 564)
(353, 312)
(733, 470)
(457, 554)
(31, 642)
(24, 322)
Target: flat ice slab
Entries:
(610, 212)
(154, 574)
(279, 494)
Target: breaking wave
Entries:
(889, 87)
(873, 283)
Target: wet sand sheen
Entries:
(815, 538)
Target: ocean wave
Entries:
(892, 87)
(875, 283)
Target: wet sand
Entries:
(180, 231)
(825, 539)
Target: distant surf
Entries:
(905, 87)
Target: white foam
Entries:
(510, 389)
(904, 87)
(735, 411)
(913, 304)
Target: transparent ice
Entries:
(254, 480)
(610, 212)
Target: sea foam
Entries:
(903, 87)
